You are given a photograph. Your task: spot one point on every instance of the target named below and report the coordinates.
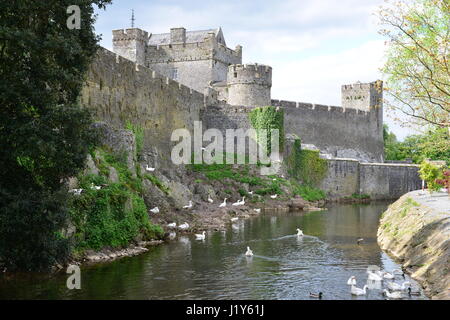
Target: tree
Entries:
(391, 145)
(417, 65)
(44, 134)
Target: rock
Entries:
(90, 166)
(298, 204)
(113, 176)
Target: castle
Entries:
(201, 61)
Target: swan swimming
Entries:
(299, 232)
(397, 287)
(393, 295)
(224, 203)
(201, 236)
(257, 210)
(388, 275)
(358, 291)
(234, 219)
(249, 252)
(351, 281)
(374, 276)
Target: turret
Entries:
(131, 44)
(362, 96)
(249, 85)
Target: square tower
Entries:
(362, 96)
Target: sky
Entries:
(313, 46)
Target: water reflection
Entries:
(284, 265)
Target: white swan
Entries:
(388, 275)
(155, 210)
(274, 196)
(224, 203)
(234, 219)
(351, 281)
(242, 201)
(149, 169)
(257, 210)
(299, 232)
(249, 252)
(209, 199)
(397, 287)
(183, 226)
(393, 295)
(172, 225)
(250, 192)
(375, 277)
(358, 291)
(200, 236)
(188, 206)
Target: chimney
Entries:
(178, 35)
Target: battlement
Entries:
(363, 96)
(130, 34)
(250, 74)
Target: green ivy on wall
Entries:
(268, 118)
(306, 165)
(139, 136)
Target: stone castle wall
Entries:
(344, 133)
(119, 91)
(379, 180)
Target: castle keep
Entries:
(201, 61)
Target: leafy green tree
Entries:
(44, 134)
(418, 64)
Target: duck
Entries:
(393, 295)
(172, 225)
(237, 203)
(397, 287)
(183, 226)
(95, 187)
(209, 199)
(249, 252)
(76, 192)
(274, 196)
(155, 210)
(224, 203)
(149, 169)
(257, 210)
(234, 219)
(316, 295)
(188, 206)
(351, 281)
(358, 241)
(200, 236)
(413, 293)
(299, 232)
(388, 275)
(358, 291)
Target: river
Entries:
(284, 266)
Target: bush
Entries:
(309, 193)
(430, 173)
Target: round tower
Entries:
(249, 85)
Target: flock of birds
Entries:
(394, 290)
